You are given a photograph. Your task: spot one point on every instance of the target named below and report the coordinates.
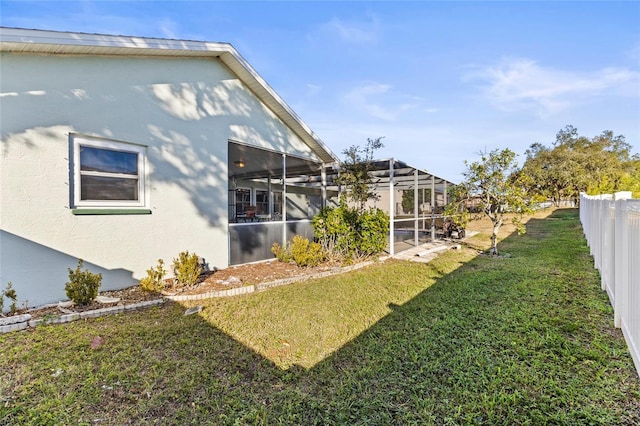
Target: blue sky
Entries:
(441, 81)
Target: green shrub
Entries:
(83, 286)
(187, 268)
(373, 228)
(10, 293)
(305, 252)
(334, 228)
(301, 251)
(281, 253)
(154, 281)
(346, 232)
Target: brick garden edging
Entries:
(264, 286)
(24, 321)
(21, 322)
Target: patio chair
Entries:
(250, 213)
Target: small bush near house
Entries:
(305, 252)
(346, 232)
(301, 251)
(373, 230)
(187, 268)
(83, 286)
(154, 281)
(281, 253)
(10, 293)
(334, 229)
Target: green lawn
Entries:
(465, 339)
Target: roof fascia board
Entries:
(152, 46)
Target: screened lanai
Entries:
(415, 201)
(274, 196)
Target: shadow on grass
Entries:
(524, 340)
(290, 325)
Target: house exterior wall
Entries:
(184, 110)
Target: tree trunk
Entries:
(494, 237)
(494, 243)
(557, 197)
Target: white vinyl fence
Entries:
(611, 225)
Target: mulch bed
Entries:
(251, 274)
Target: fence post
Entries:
(608, 254)
(601, 234)
(621, 260)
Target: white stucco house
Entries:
(123, 150)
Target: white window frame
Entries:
(273, 203)
(79, 140)
(251, 197)
(268, 203)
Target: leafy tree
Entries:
(607, 161)
(493, 185)
(552, 174)
(630, 180)
(355, 173)
(576, 164)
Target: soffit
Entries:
(258, 163)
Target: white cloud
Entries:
(377, 100)
(168, 28)
(518, 84)
(313, 89)
(353, 32)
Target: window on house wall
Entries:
(108, 173)
(277, 205)
(262, 202)
(243, 200)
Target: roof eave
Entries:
(53, 42)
